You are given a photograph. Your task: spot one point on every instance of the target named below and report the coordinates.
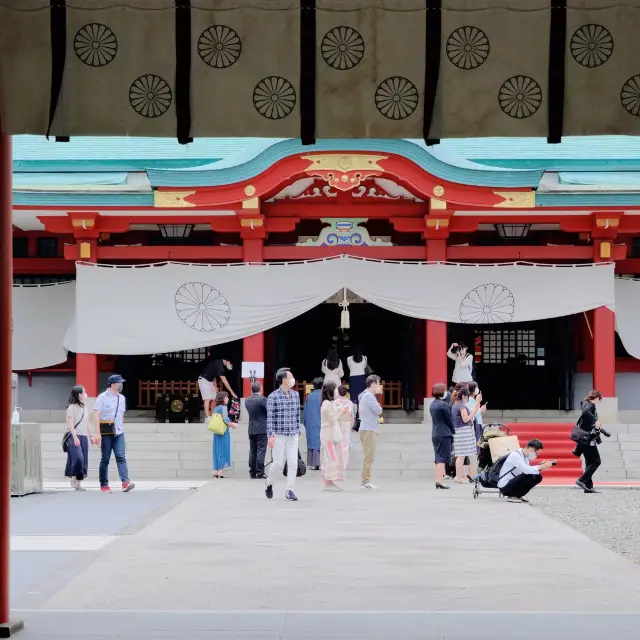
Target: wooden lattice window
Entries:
(505, 345)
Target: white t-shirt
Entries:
(75, 411)
(356, 368)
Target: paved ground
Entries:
(402, 562)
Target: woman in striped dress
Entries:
(464, 439)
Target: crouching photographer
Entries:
(587, 436)
(517, 476)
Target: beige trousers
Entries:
(369, 441)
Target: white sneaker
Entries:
(368, 485)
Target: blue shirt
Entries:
(283, 413)
(106, 405)
(368, 409)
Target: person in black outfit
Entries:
(441, 432)
(211, 379)
(589, 430)
(256, 405)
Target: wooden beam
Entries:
(301, 209)
(166, 252)
(314, 253)
(43, 266)
(628, 266)
(515, 252)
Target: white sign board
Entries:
(253, 369)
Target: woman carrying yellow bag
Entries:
(218, 424)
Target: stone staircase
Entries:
(174, 451)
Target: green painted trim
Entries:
(97, 166)
(51, 199)
(587, 199)
(562, 165)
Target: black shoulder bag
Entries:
(68, 434)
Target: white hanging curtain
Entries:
(481, 294)
(628, 314)
(42, 317)
(170, 307)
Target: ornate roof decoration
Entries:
(344, 233)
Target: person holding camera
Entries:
(463, 367)
(587, 436)
(518, 476)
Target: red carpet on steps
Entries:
(557, 446)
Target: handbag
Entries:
(216, 424)
(67, 435)
(302, 467)
(580, 435)
(336, 433)
(107, 429)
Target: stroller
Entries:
(482, 484)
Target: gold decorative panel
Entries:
(172, 199)
(516, 199)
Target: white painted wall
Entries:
(627, 390)
(50, 390)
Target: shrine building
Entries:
(128, 202)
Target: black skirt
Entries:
(442, 448)
(357, 384)
(77, 459)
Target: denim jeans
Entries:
(115, 444)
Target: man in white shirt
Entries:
(518, 476)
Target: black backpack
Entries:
(494, 473)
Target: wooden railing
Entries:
(391, 397)
(149, 390)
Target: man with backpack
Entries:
(516, 476)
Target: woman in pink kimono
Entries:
(330, 444)
(346, 418)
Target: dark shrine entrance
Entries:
(521, 365)
(393, 344)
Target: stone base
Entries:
(9, 629)
(608, 411)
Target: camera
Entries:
(604, 432)
(554, 463)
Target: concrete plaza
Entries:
(406, 561)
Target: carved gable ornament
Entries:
(344, 233)
(344, 172)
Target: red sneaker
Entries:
(105, 489)
(128, 486)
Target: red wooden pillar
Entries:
(603, 234)
(436, 331)
(604, 353)
(7, 628)
(252, 251)
(87, 363)
(87, 372)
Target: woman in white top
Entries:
(79, 430)
(332, 367)
(358, 366)
(464, 362)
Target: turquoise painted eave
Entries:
(563, 165)
(90, 166)
(456, 169)
(54, 199)
(587, 199)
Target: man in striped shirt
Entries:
(283, 430)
